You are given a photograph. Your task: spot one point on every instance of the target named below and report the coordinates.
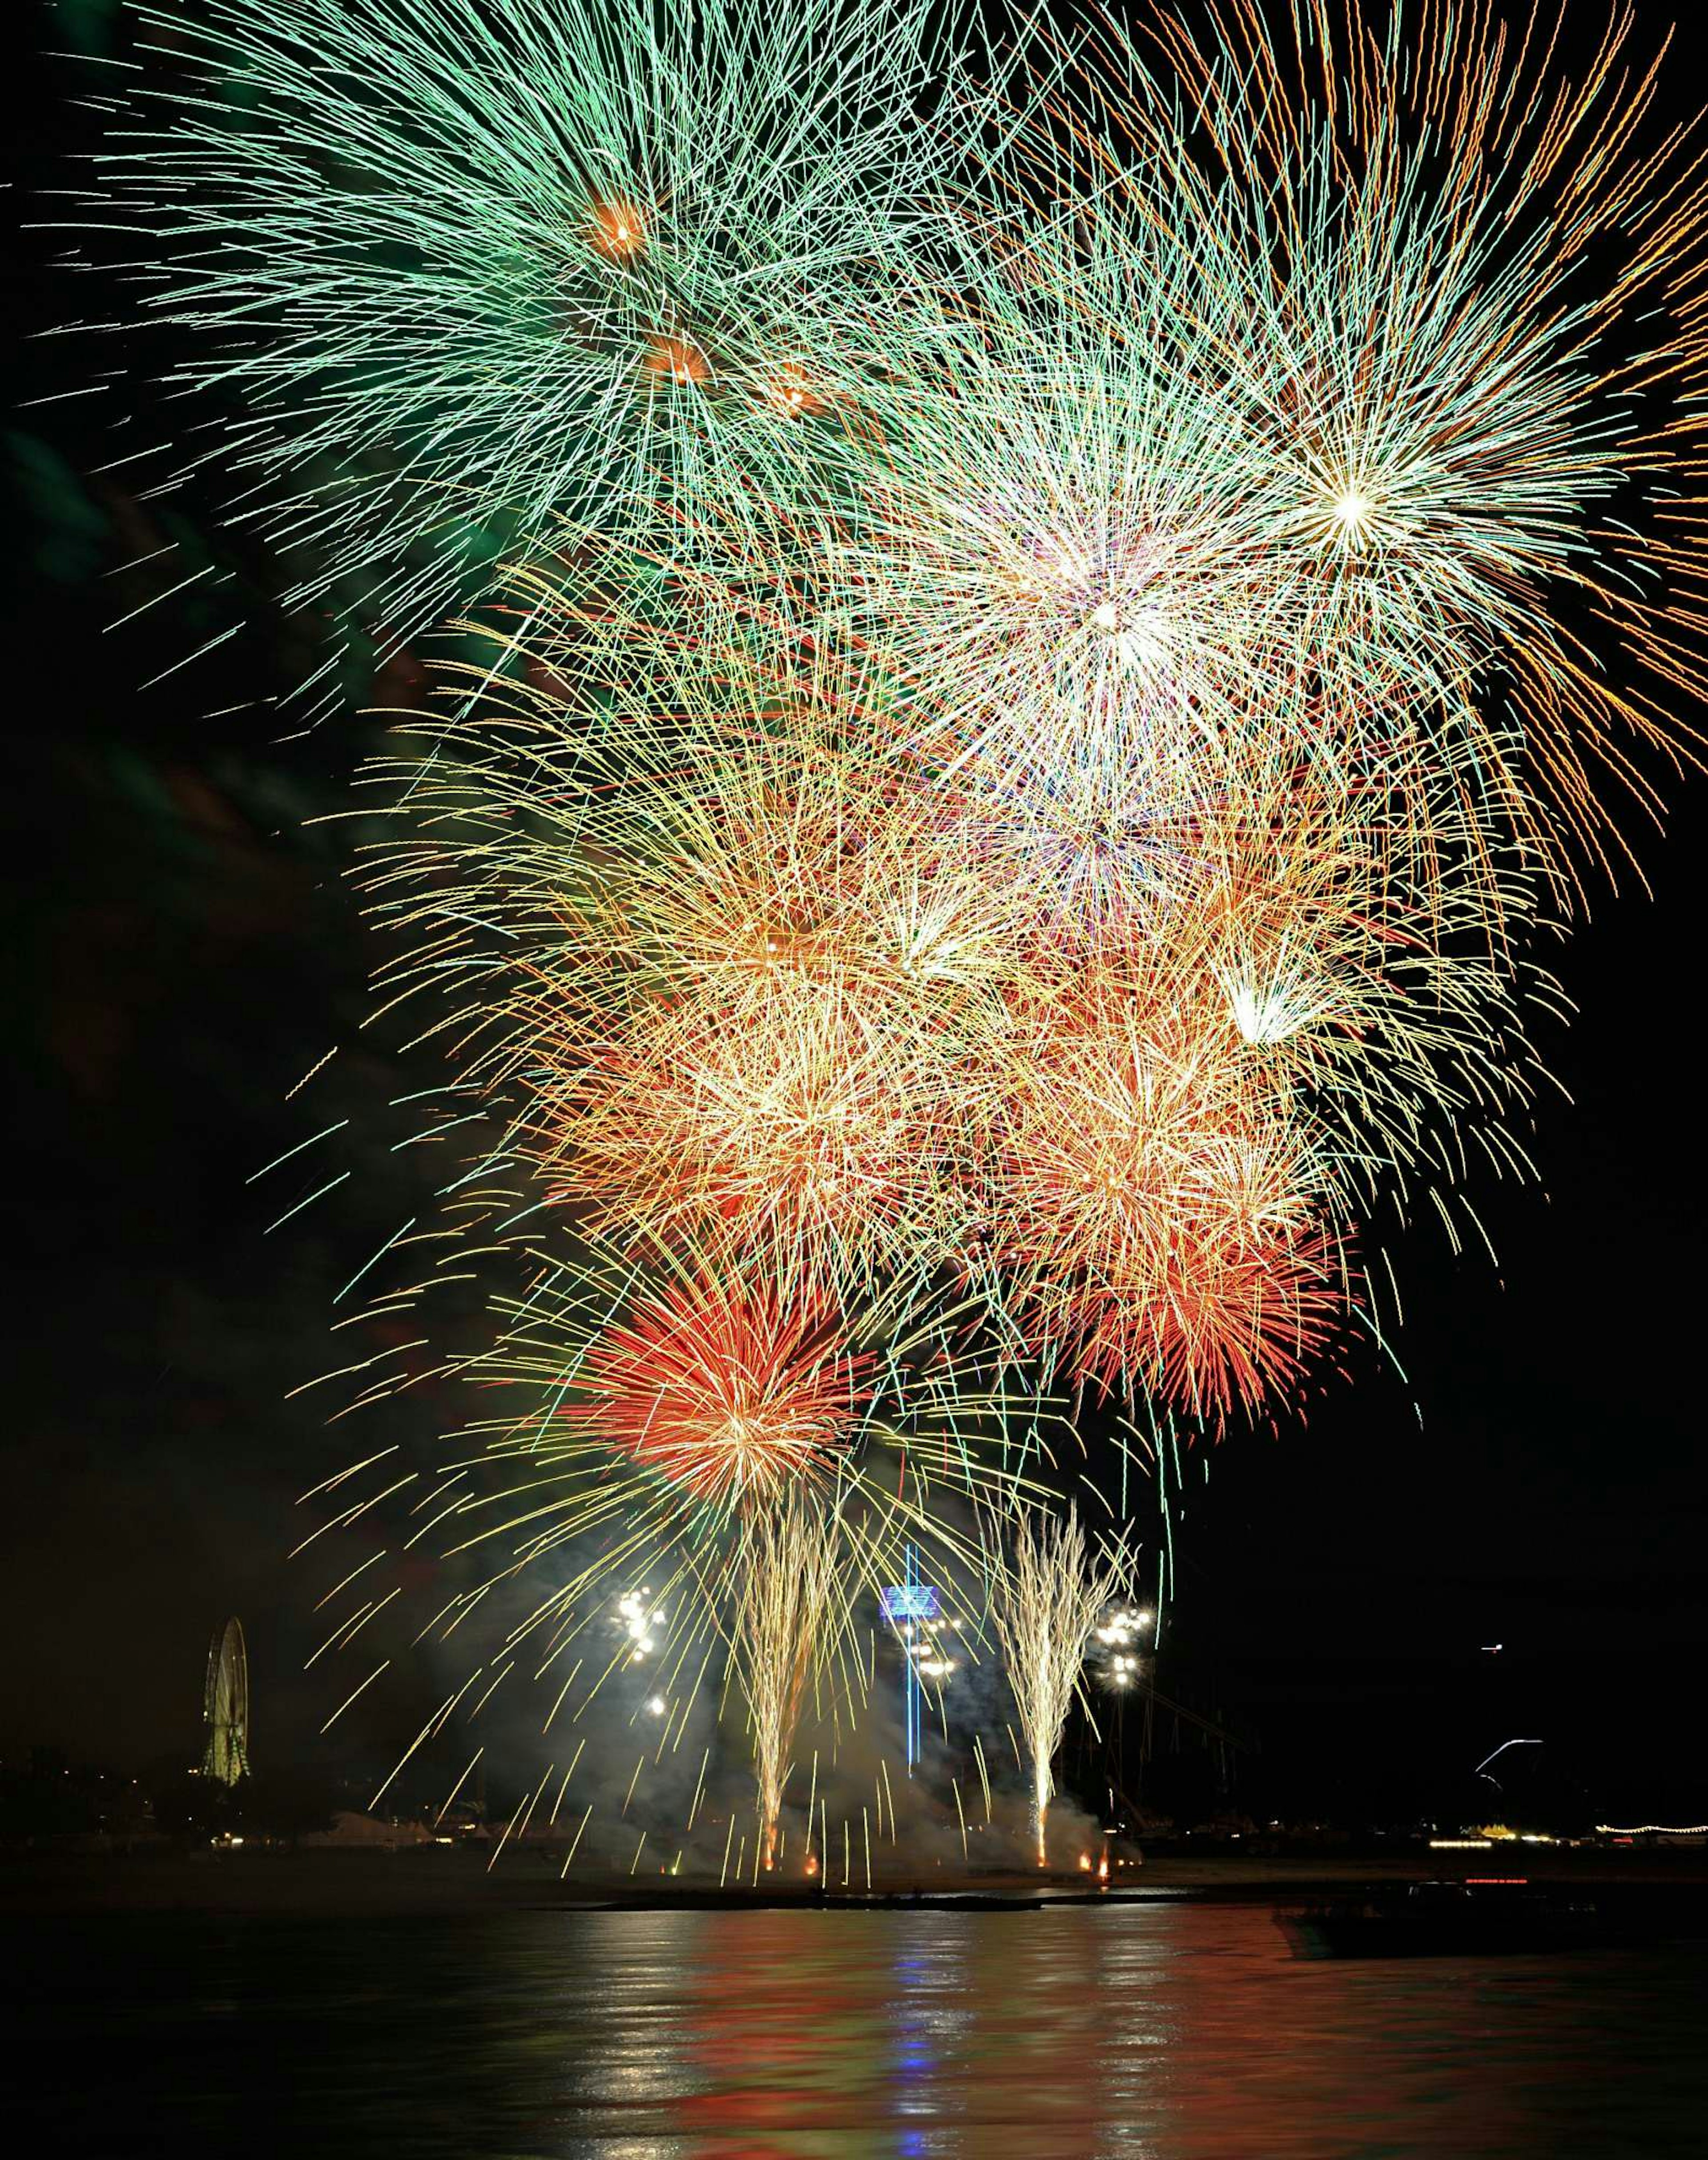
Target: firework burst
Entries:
(1036, 704)
(451, 271)
(1163, 1235)
(731, 1395)
(1384, 219)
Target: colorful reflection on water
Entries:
(1164, 2032)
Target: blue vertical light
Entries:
(912, 1694)
(904, 1606)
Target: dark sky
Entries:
(182, 953)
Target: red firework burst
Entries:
(1164, 1237)
(1237, 1319)
(727, 1392)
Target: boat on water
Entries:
(1453, 1920)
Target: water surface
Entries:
(1172, 2031)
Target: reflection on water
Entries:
(1167, 2031)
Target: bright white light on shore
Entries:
(637, 1622)
(657, 1705)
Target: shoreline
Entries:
(407, 1881)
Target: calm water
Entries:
(1174, 2032)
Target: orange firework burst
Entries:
(787, 1137)
(617, 230)
(1158, 1216)
(730, 1393)
(1241, 1319)
(678, 358)
(751, 979)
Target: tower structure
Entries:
(909, 1605)
(226, 1706)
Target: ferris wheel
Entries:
(226, 1706)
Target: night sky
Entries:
(181, 953)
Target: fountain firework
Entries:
(1044, 1601)
(787, 1605)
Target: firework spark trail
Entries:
(1045, 1601)
(788, 1599)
